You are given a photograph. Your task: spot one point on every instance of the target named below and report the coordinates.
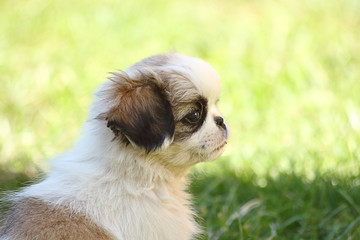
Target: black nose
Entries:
(220, 122)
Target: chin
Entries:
(126, 177)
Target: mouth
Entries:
(212, 154)
(220, 147)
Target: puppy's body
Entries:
(32, 218)
(125, 178)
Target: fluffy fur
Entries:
(125, 178)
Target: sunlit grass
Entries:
(235, 205)
(290, 75)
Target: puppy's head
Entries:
(165, 107)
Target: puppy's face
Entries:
(165, 107)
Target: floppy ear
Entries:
(141, 112)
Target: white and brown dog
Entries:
(125, 178)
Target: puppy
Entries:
(125, 178)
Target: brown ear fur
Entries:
(142, 112)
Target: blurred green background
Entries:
(290, 73)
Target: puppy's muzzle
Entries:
(221, 124)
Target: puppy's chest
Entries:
(152, 216)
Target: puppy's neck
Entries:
(115, 162)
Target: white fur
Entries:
(132, 195)
(202, 75)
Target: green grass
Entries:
(290, 74)
(232, 205)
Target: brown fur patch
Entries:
(141, 110)
(183, 130)
(32, 218)
(153, 61)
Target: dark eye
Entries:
(193, 117)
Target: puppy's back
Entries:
(32, 218)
